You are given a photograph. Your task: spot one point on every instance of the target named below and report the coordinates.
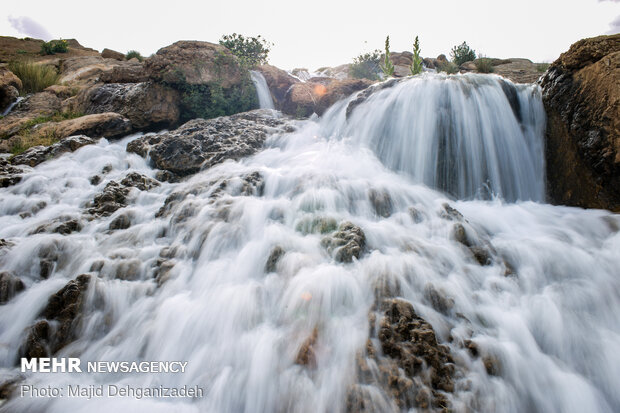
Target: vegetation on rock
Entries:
(134, 53)
(387, 67)
(35, 77)
(484, 65)
(251, 51)
(54, 46)
(462, 53)
(366, 66)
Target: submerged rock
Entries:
(114, 195)
(348, 242)
(582, 99)
(200, 144)
(276, 253)
(10, 285)
(9, 175)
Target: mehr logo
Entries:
(51, 365)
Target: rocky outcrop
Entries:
(10, 85)
(37, 105)
(346, 243)
(304, 99)
(128, 72)
(114, 195)
(39, 154)
(112, 54)
(194, 63)
(12, 48)
(279, 83)
(582, 101)
(61, 319)
(200, 144)
(147, 105)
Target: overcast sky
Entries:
(322, 32)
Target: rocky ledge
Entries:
(581, 95)
(200, 144)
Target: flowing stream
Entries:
(543, 312)
(265, 101)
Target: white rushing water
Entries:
(551, 327)
(265, 100)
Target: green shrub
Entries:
(134, 53)
(34, 77)
(416, 65)
(54, 46)
(462, 53)
(484, 65)
(251, 51)
(387, 67)
(448, 67)
(542, 67)
(367, 66)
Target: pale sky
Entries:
(319, 33)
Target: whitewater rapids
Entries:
(552, 326)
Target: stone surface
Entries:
(200, 144)
(39, 154)
(9, 175)
(147, 105)
(128, 72)
(346, 243)
(194, 63)
(10, 285)
(10, 85)
(112, 54)
(37, 105)
(304, 99)
(114, 195)
(581, 94)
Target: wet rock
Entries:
(307, 353)
(348, 242)
(253, 184)
(362, 96)
(582, 101)
(67, 227)
(10, 285)
(128, 270)
(450, 213)
(314, 225)
(147, 105)
(415, 215)
(200, 144)
(381, 202)
(95, 180)
(38, 154)
(114, 195)
(10, 85)
(122, 221)
(42, 104)
(9, 174)
(276, 253)
(162, 270)
(439, 301)
(279, 82)
(479, 250)
(61, 319)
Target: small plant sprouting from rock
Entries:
(366, 66)
(462, 53)
(484, 65)
(387, 66)
(251, 51)
(54, 46)
(416, 65)
(447, 67)
(542, 67)
(134, 53)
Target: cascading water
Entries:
(250, 280)
(265, 100)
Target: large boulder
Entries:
(112, 54)
(316, 96)
(147, 105)
(128, 72)
(194, 63)
(200, 144)
(10, 86)
(582, 100)
(279, 82)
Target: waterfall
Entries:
(241, 269)
(470, 136)
(262, 90)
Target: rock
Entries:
(279, 83)
(114, 195)
(84, 70)
(109, 125)
(429, 63)
(9, 175)
(381, 202)
(122, 221)
(10, 285)
(194, 63)
(112, 54)
(128, 72)
(200, 144)
(43, 104)
(468, 66)
(12, 48)
(39, 154)
(304, 99)
(63, 225)
(276, 253)
(582, 101)
(348, 242)
(10, 85)
(517, 70)
(307, 353)
(337, 72)
(401, 59)
(147, 105)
